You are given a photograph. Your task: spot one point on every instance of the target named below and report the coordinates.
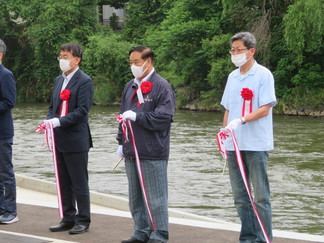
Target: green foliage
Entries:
(178, 43)
(216, 53)
(46, 27)
(189, 37)
(143, 15)
(107, 62)
(304, 26)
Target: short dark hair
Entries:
(146, 52)
(248, 39)
(3, 47)
(74, 48)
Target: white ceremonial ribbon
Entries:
(64, 108)
(127, 125)
(244, 177)
(140, 95)
(50, 139)
(247, 108)
(220, 138)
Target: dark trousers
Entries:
(73, 175)
(7, 178)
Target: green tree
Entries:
(177, 42)
(301, 66)
(107, 62)
(218, 57)
(304, 26)
(19, 52)
(47, 25)
(144, 15)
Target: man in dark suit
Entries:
(73, 138)
(8, 208)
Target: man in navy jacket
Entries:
(149, 103)
(8, 208)
(73, 138)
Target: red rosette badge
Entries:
(146, 87)
(65, 96)
(247, 96)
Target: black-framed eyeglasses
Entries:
(238, 50)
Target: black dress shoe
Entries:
(61, 227)
(79, 229)
(154, 241)
(132, 240)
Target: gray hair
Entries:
(248, 39)
(2, 47)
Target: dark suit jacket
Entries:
(153, 119)
(7, 102)
(74, 133)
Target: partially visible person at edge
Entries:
(73, 139)
(8, 206)
(254, 134)
(151, 113)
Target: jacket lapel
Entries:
(56, 94)
(73, 80)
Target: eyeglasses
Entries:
(64, 57)
(238, 50)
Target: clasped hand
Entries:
(234, 124)
(131, 115)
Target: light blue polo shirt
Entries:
(256, 135)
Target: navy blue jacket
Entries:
(153, 120)
(74, 133)
(7, 102)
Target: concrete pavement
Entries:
(111, 221)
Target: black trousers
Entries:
(73, 176)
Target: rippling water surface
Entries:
(196, 185)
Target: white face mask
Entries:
(239, 60)
(138, 70)
(65, 65)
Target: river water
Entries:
(196, 184)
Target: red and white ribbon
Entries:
(240, 164)
(247, 107)
(127, 125)
(220, 138)
(64, 108)
(48, 128)
(247, 95)
(65, 96)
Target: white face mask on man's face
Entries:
(138, 70)
(65, 65)
(239, 60)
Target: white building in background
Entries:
(108, 11)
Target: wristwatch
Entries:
(243, 121)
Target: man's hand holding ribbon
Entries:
(55, 121)
(130, 115)
(41, 128)
(234, 124)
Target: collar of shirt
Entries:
(144, 79)
(250, 72)
(68, 77)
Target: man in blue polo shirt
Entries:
(248, 99)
